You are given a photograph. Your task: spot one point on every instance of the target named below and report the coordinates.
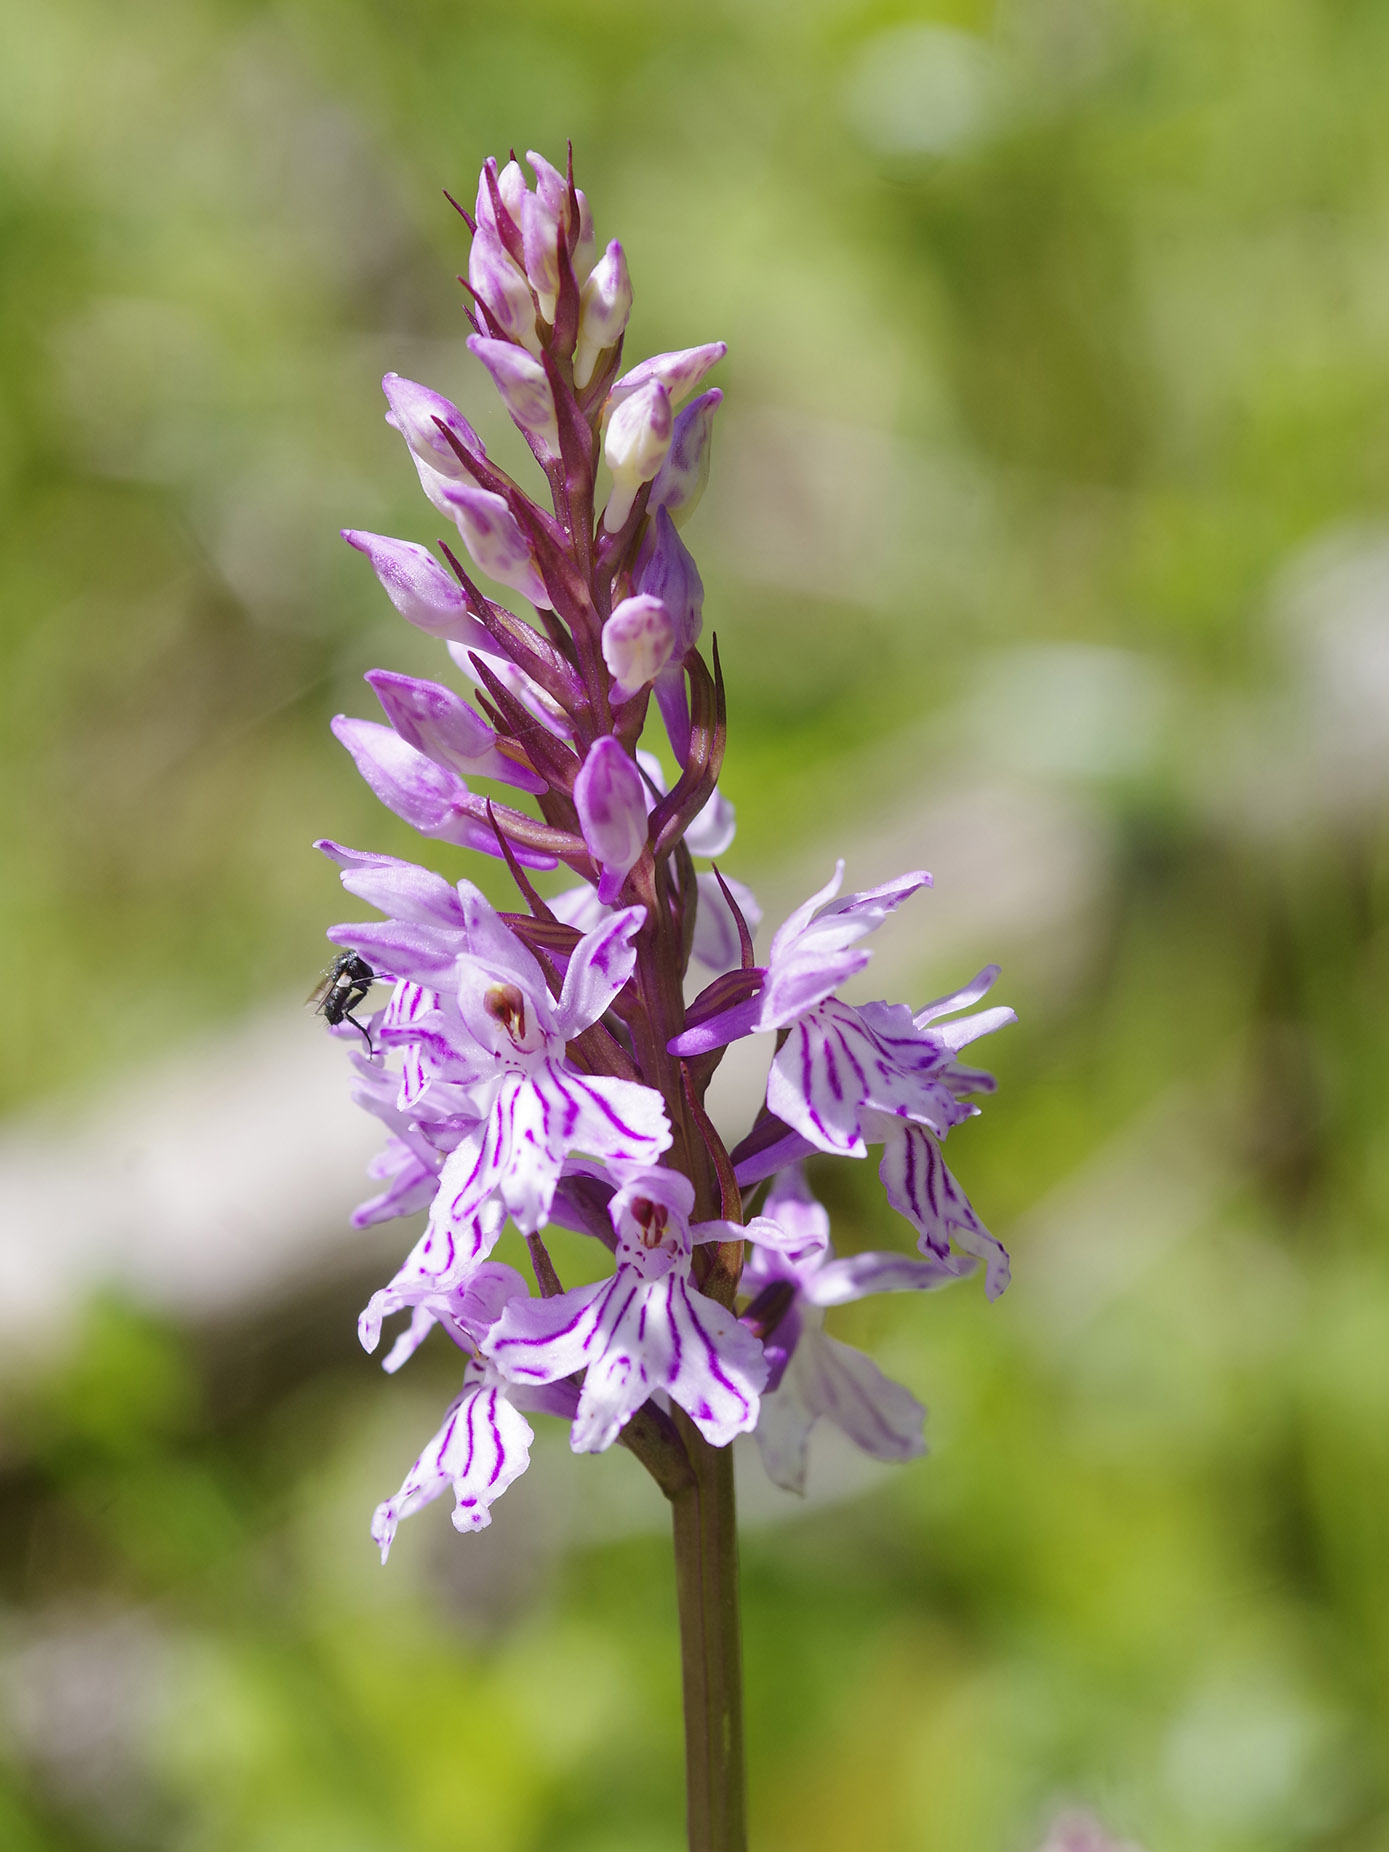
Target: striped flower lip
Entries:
(633, 1337)
(484, 1444)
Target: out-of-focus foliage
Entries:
(1057, 452)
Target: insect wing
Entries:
(335, 978)
(322, 990)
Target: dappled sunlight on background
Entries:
(1047, 546)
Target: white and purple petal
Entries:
(544, 1340)
(856, 1276)
(442, 1268)
(920, 1187)
(482, 1447)
(718, 1368)
(600, 964)
(829, 1380)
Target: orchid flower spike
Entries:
(547, 1064)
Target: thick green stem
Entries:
(706, 1583)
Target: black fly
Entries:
(341, 988)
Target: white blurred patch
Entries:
(202, 1184)
(1073, 709)
(78, 1690)
(1241, 1758)
(1331, 612)
(925, 89)
(1313, 749)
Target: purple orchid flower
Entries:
(417, 412)
(811, 955)
(638, 640)
(438, 723)
(678, 373)
(494, 539)
(664, 569)
(605, 302)
(685, 473)
(635, 445)
(522, 386)
(812, 1375)
(409, 1164)
(647, 1329)
(501, 286)
(497, 1032)
(484, 1443)
(847, 1077)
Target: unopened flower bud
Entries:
(441, 725)
(419, 588)
(587, 245)
(686, 469)
(679, 372)
(429, 797)
(540, 233)
(494, 539)
(665, 569)
(424, 794)
(511, 184)
(531, 696)
(605, 302)
(637, 641)
(521, 381)
(414, 409)
(635, 446)
(551, 187)
(610, 799)
(500, 283)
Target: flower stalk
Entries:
(706, 1588)
(550, 1064)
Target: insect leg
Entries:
(361, 1027)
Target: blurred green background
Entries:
(1048, 545)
